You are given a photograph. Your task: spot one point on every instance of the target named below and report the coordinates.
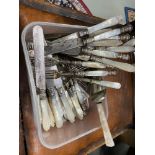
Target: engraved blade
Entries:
(38, 40)
(68, 37)
(64, 45)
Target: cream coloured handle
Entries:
(123, 66)
(45, 116)
(104, 124)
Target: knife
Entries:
(89, 64)
(120, 65)
(90, 30)
(66, 45)
(98, 98)
(97, 73)
(38, 40)
(106, 54)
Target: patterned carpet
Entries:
(78, 5)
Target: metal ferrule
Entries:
(112, 72)
(125, 37)
(123, 57)
(88, 40)
(83, 33)
(51, 92)
(127, 28)
(61, 91)
(42, 94)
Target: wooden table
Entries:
(120, 102)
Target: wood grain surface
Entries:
(120, 102)
(45, 6)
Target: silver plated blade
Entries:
(62, 46)
(38, 40)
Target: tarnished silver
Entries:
(38, 40)
(122, 37)
(105, 24)
(121, 49)
(65, 38)
(100, 73)
(114, 85)
(109, 34)
(99, 96)
(88, 64)
(120, 65)
(67, 45)
(62, 46)
(106, 54)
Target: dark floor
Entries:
(124, 145)
(119, 149)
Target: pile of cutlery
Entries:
(66, 68)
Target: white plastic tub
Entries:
(55, 138)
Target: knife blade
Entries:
(68, 45)
(38, 40)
